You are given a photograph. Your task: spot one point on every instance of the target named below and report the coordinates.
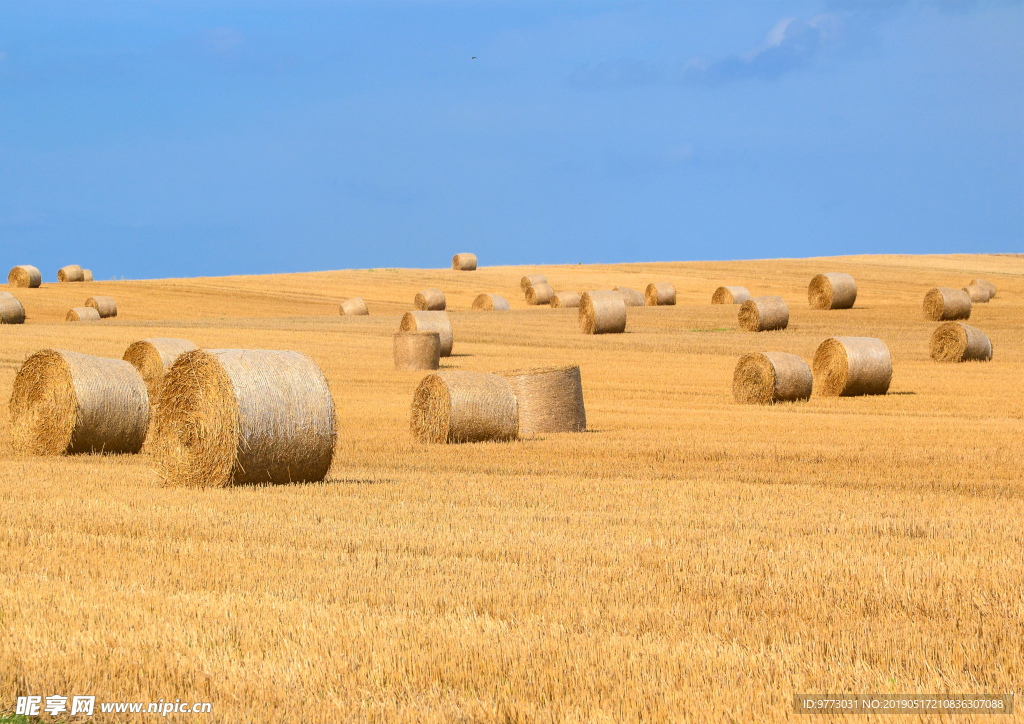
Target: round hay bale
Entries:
(762, 378)
(565, 299)
(602, 312)
(943, 303)
(848, 366)
(977, 293)
(454, 407)
(6, 295)
(660, 294)
(730, 295)
(430, 300)
(490, 303)
(354, 307)
(24, 275)
(531, 279)
(11, 311)
(244, 416)
(71, 273)
(87, 275)
(763, 314)
(66, 402)
(957, 342)
(539, 294)
(430, 321)
(988, 285)
(550, 399)
(631, 297)
(464, 262)
(835, 290)
(106, 306)
(82, 314)
(153, 357)
(417, 350)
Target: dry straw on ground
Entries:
(763, 314)
(835, 290)
(631, 297)
(106, 306)
(430, 321)
(602, 312)
(417, 350)
(730, 295)
(430, 300)
(455, 407)
(354, 307)
(24, 275)
(848, 366)
(958, 342)
(464, 262)
(71, 273)
(234, 417)
(153, 357)
(660, 294)
(11, 311)
(943, 303)
(539, 294)
(490, 303)
(565, 299)
(762, 378)
(988, 285)
(530, 279)
(87, 275)
(550, 399)
(977, 293)
(66, 402)
(82, 314)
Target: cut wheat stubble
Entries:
(835, 290)
(458, 407)
(602, 312)
(764, 378)
(849, 366)
(430, 322)
(764, 314)
(958, 342)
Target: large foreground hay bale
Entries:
(730, 295)
(565, 299)
(66, 402)
(24, 275)
(464, 262)
(354, 307)
(834, 290)
(539, 293)
(602, 312)
(762, 378)
(550, 399)
(490, 303)
(660, 294)
(82, 314)
(631, 297)
(153, 357)
(988, 285)
(87, 275)
(452, 407)
(530, 279)
(847, 366)
(106, 306)
(430, 300)
(417, 350)
(70, 273)
(957, 342)
(977, 293)
(763, 314)
(242, 416)
(11, 311)
(6, 295)
(942, 303)
(430, 321)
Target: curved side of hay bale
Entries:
(354, 307)
(106, 306)
(764, 314)
(660, 294)
(957, 342)
(464, 262)
(87, 275)
(631, 297)
(602, 312)
(66, 402)
(70, 273)
(490, 302)
(82, 314)
(24, 275)
(454, 407)
(988, 285)
(762, 378)
(431, 300)
(835, 290)
(235, 417)
(6, 295)
(943, 303)
(153, 357)
(539, 294)
(531, 279)
(730, 295)
(977, 293)
(565, 299)
(550, 399)
(430, 322)
(417, 350)
(848, 366)
(11, 311)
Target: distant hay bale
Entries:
(848, 366)
(11, 311)
(565, 299)
(66, 402)
(430, 322)
(106, 306)
(631, 297)
(977, 293)
(417, 350)
(957, 342)
(153, 357)
(835, 290)
(988, 285)
(660, 294)
(71, 273)
(82, 314)
(490, 303)
(354, 307)
(764, 314)
(464, 262)
(530, 279)
(455, 407)
(87, 275)
(24, 275)
(762, 378)
(602, 312)
(943, 303)
(430, 300)
(550, 399)
(539, 294)
(244, 416)
(730, 295)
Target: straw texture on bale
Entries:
(464, 262)
(87, 275)
(539, 294)
(106, 306)
(957, 342)
(762, 378)
(764, 314)
(354, 307)
(454, 407)
(631, 297)
(565, 299)
(417, 350)
(82, 314)
(24, 275)
(490, 303)
(234, 417)
(11, 311)
(977, 293)
(550, 399)
(835, 290)
(153, 357)
(6, 295)
(730, 295)
(943, 303)
(660, 294)
(848, 366)
(530, 279)
(66, 402)
(988, 285)
(70, 273)
(602, 312)
(430, 322)
(430, 300)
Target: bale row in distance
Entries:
(764, 378)
(730, 295)
(431, 300)
(763, 314)
(540, 293)
(988, 285)
(153, 357)
(417, 350)
(549, 399)
(354, 307)
(464, 262)
(531, 279)
(957, 342)
(430, 321)
(943, 303)
(459, 406)
(24, 275)
(565, 299)
(490, 303)
(631, 297)
(977, 293)
(11, 311)
(834, 290)
(71, 273)
(602, 312)
(847, 366)
(660, 294)
(82, 314)
(106, 306)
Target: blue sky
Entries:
(147, 139)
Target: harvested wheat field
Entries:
(687, 558)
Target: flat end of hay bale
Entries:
(43, 405)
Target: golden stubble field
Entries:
(687, 559)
